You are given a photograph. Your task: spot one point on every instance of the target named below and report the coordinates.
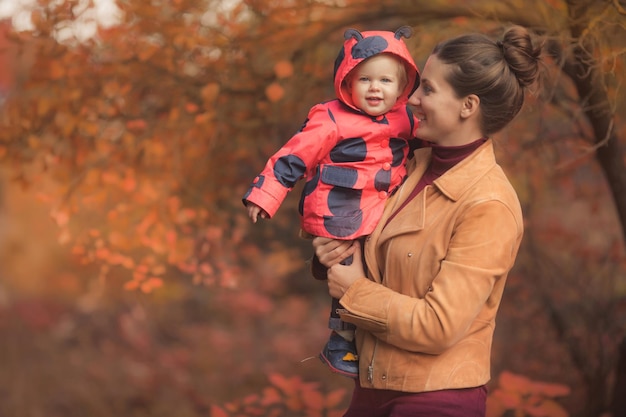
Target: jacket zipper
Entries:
(370, 368)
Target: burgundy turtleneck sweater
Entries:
(442, 159)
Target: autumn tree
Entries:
(143, 138)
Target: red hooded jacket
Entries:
(351, 161)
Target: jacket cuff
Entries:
(367, 315)
(267, 201)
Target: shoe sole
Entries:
(336, 370)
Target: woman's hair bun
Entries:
(521, 54)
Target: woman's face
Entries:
(437, 107)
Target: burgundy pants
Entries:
(468, 402)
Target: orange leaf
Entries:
(78, 250)
(210, 92)
(547, 408)
(89, 128)
(293, 403)
(218, 412)
(274, 92)
(147, 51)
(129, 184)
(191, 107)
(335, 397)
(250, 399)
(109, 177)
(551, 390)
(270, 396)
(64, 237)
(117, 239)
(287, 385)
(131, 285)
(57, 70)
(116, 259)
(158, 269)
(516, 383)
(146, 222)
(460, 21)
(156, 282)
(206, 268)
(142, 268)
(137, 124)
(102, 253)
(313, 400)
(495, 408)
(151, 284)
(283, 69)
(61, 218)
(204, 117)
(511, 400)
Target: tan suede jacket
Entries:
(426, 313)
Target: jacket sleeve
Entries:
(292, 161)
(481, 251)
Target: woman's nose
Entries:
(414, 100)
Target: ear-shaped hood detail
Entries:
(405, 31)
(352, 33)
(359, 46)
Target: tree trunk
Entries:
(609, 153)
(618, 408)
(583, 69)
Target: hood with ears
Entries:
(359, 46)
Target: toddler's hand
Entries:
(255, 212)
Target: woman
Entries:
(436, 265)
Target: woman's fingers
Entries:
(331, 251)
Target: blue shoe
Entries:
(340, 356)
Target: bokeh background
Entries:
(133, 284)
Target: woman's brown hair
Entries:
(496, 71)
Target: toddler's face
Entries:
(376, 83)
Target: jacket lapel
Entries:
(452, 185)
(466, 173)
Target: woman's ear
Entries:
(471, 104)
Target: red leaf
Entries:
(218, 412)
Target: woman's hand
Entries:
(330, 253)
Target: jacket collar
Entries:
(454, 182)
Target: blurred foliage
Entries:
(139, 142)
